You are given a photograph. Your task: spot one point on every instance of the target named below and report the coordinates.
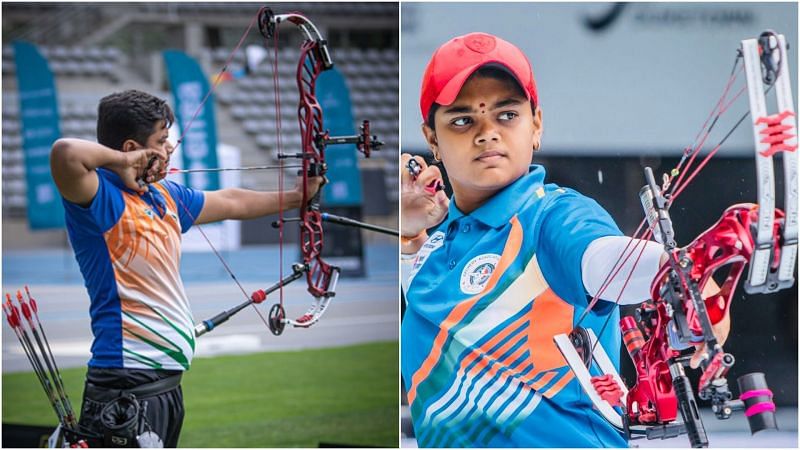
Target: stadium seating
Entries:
(371, 75)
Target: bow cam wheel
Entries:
(276, 316)
(266, 23)
(579, 338)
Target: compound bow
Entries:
(321, 277)
(663, 333)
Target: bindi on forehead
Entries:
(483, 108)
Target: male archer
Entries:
(127, 241)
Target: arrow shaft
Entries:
(38, 369)
(358, 224)
(235, 169)
(58, 380)
(55, 376)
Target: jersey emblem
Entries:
(435, 241)
(477, 273)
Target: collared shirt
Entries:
(128, 249)
(487, 293)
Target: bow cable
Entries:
(688, 157)
(251, 299)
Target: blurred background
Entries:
(333, 384)
(628, 85)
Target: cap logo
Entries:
(480, 43)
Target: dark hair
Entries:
(130, 114)
(495, 73)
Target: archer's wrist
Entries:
(113, 160)
(294, 200)
(411, 244)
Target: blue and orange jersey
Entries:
(128, 249)
(487, 293)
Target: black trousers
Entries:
(163, 412)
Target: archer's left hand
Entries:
(314, 185)
(721, 328)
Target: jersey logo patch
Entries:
(435, 241)
(477, 273)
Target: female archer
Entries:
(492, 274)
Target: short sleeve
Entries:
(568, 224)
(189, 203)
(105, 210)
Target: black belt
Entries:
(158, 387)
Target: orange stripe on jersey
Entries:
(135, 232)
(476, 352)
(504, 348)
(122, 248)
(510, 252)
(483, 351)
(549, 316)
(138, 309)
(502, 364)
(138, 332)
(556, 388)
(115, 238)
(167, 197)
(541, 382)
(477, 368)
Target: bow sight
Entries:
(661, 337)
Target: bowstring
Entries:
(217, 79)
(615, 269)
(643, 239)
(184, 130)
(675, 188)
(279, 146)
(694, 149)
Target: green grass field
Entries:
(342, 396)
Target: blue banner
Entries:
(38, 112)
(344, 179)
(199, 148)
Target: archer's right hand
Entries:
(421, 206)
(137, 168)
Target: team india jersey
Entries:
(487, 293)
(128, 248)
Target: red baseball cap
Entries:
(460, 57)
